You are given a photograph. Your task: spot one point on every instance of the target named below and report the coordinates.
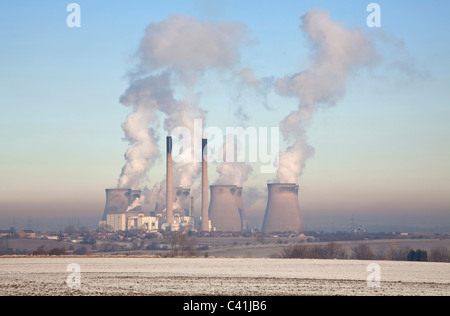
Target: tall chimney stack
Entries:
(205, 206)
(169, 184)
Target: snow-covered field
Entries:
(212, 276)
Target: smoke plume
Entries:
(136, 203)
(257, 88)
(236, 171)
(172, 58)
(146, 97)
(338, 53)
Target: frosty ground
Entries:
(220, 276)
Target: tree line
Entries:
(362, 251)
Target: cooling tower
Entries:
(117, 201)
(205, 215)
(240, 206)
(169, 185)
(134, 195)
(183, 200)
(283, 209)
(223, 210)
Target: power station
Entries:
(221, 209)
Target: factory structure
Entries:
(222, 207)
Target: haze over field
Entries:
(363, 112)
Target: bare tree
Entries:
(397, 254)
(440, 254)
(40, 251)
(3, 245)
(180, 244)
(295, 251)
(331, 250)
(362, 251)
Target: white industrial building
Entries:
(130, 221)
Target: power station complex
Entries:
(222, 207)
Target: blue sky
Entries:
(383, 148)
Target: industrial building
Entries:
(222, 207)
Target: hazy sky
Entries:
(383, 149)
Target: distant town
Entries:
(319, 245)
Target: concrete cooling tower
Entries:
(134, 195)
(240, 206)
(183, 199)
(117, 201)
(283, 209)
(223, 210)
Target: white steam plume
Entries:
(234, 172)
(258, 87)
(337, 53)
(136, 203)
(145, 97)
(173, 56)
